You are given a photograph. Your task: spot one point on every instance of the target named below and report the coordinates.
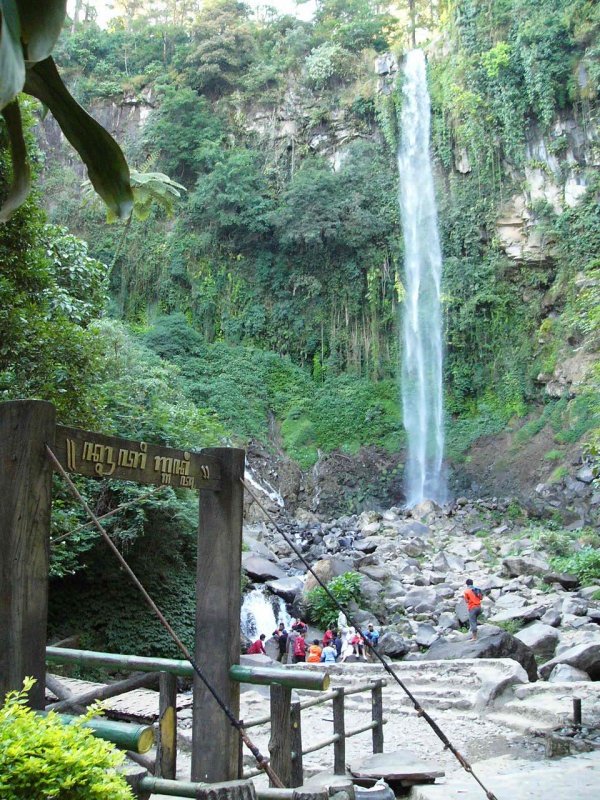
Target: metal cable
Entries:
(262, 762)
(417, 706)
(108, 514)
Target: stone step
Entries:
(512, 779)
(540, 707)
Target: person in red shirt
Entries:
(300, 648)
(329, 636)
(258, 646)
(472, 596)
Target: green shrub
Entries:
(511, 626)
(41, 757)
(585, 564)
(319, 607)
(558, 543)
(552, 455)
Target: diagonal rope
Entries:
(139, 499)
(416, 705)
(262, 762)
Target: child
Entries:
(357, 643)
(314, 652)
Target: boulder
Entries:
(422, 599)
(392, 644)
(551, 617)
(414, 529)
(412, 548)
(462, 613)
(375, 572)
(287, 588)
(492, 642)
(260, 569)
(566, 579)
(425, 635)
(563, 673)
(509, 601)
(326, 569)
(448, 621)
(540, 638)
(369, 544)
(525, 565)
(524, 613)
(584, 656)
(448, 562)
(371, 590)
(575, 606)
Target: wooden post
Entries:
(297, 775)
(339, 728)
(377, 700)
(218, 600)
(166, 753)
(25, 504)
(280, 747)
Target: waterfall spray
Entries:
(422, 323)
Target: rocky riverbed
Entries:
(413, 566)
(507, 697)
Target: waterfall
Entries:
(262, 613)
(422, 323)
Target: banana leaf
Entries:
(12, 66)
(41, 24)
(107, 168)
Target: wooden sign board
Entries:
(98, 456)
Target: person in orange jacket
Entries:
(314, 652)
(472, 596)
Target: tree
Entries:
(222, 47)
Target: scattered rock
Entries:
(585, 657)
(540, 638)
(564, 673)
(492, 642)
(516, 566)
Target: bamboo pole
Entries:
(264, 676)
(126, 735)
(104, 692)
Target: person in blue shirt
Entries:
(328, 655)
(371, 637)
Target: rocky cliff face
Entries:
(557, 171)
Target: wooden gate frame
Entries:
(26, 427)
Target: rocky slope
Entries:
(413, 566)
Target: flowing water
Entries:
(261, 613)
(422, 322)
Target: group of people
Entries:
(294, 648)
(341, 641)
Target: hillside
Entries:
(254, 296)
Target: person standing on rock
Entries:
(472, 596)
(300, 648)
(282, 637)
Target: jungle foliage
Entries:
(270, 297)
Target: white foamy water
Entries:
(422, 401)
(261, 613)
(262, 487)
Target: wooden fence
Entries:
(285, 744)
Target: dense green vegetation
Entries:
(321, 609)
(265, 297)
(44, 757)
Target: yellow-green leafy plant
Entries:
(41, 757)
(28, 33)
